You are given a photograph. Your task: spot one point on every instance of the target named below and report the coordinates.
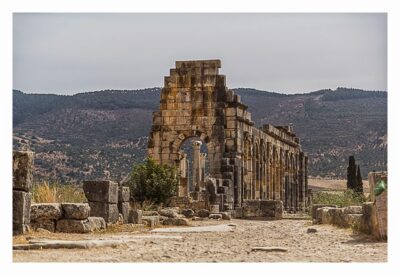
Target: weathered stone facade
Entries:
(247, 163)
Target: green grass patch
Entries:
(339, 198)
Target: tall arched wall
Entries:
(251, 163)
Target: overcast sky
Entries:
(287, 53)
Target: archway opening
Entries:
(193, 165)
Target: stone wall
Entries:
(65, 217)
(379, 205)
(22, 184)
(250, 163)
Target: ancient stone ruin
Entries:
(248, 166)
(354, 179)
(22, 185)
(370, 217)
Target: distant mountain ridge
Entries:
(100, 134)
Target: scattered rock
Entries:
(188, 213)
(168, 212)
(269, 249)
(150, 213)
(176, 221)
(41, 230)
(197, 218)
(162, 218)
(311, 230)
(215, 216)
(203, 213)
(151, 221)
(226, 215)
(76, 211)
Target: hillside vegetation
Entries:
(101, 134)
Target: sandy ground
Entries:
(328, 244)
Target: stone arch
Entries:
(246, 162)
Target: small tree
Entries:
(152, 181)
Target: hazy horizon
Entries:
(70, 53)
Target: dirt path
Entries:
(328, 244)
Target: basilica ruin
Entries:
(246, 165)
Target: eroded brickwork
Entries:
(248, 163)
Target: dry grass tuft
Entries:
(45, 192)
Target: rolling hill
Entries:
(101, 134)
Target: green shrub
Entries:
(153, 182)
(339, 198)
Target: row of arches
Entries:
(273, 172)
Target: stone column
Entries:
(183, 181)
(203, 157)
(306, 194)
(22, 185)
(196, 171)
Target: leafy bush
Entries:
(339, 198)
(56, 192)
(150, 181)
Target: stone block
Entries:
(251, 208)
(123, 194)
(225, 215)
(19, 228)
(73, 226)
(214, 208)
(123, 208)
(188, 213)
(271, 208)
(151, 221)
(314, 208)
(352, 210)
(326, 214)
(77, 211)
(215, 216)
(150, 213)
(21, 207)
(354, 221)
(135, 216)
(49, 225)
(169, 212)
(101, 191)
(108, 211)
(203, 213)
(96, 223)
(22, 170)
(46, 211)
(176, 221)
